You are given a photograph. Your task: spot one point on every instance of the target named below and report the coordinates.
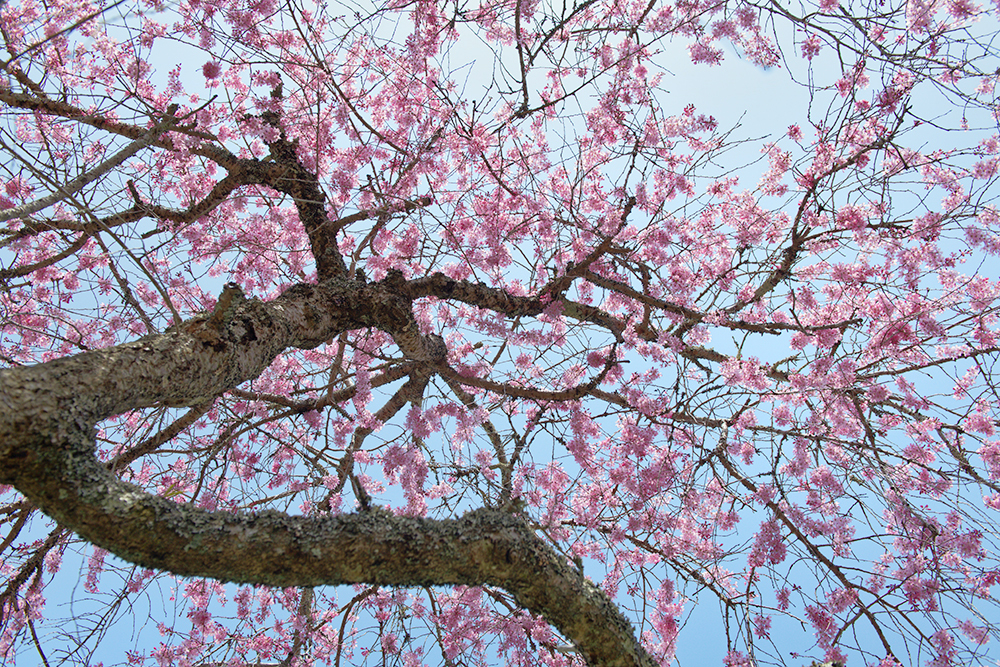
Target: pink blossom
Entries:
(736, 659)
(762, 626)
(702, 52)
(811, 47)
(211, 70)
(981, 420)
(976, 633)
(800, 417)
(782, 597)
(943, 643)
(94, 568)
(768, 546)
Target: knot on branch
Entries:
(437, 350)
(429, 348)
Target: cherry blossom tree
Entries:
(444, 333)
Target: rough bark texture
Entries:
(47, 452)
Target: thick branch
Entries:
(475, 294)
(272, 548)
(288, 175)
(192, 361)
(47, 448)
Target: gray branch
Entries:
(48, 415)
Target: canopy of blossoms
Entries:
(442, 332)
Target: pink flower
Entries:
(736, 659)
(976, 633)
(211, 69)
(762, 626)
(768, 548)
(701, 52)
(811, 47)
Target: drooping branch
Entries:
(271, 548)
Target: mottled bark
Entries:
(47, 428)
